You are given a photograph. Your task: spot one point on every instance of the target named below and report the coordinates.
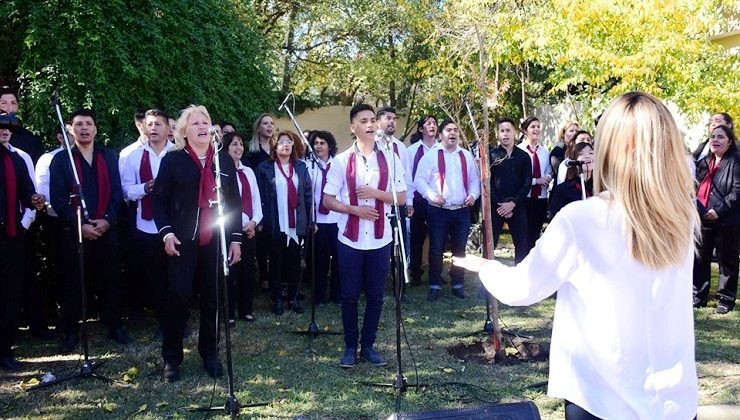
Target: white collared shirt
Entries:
(367, 172)
(410, 155)
(403, 156)
(42, 177)
(254, 189)
(29, 215)
(428, 178)
(281, 190)
(545, 168)
(126, 152)
(133, 188)
(315, 172)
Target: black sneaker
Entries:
(698, 303)
(458, 293)
(69, 343)
(10, 363)
(213, 367)
(296, 307)
(433, 295)
(171, 372)
(349, 359)
(723, 308)
(373, 357)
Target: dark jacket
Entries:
(175, 197)
(61, 183)
(29, 143)
(23, 187)
(266, 181)
(724, 197)
(511, 178)
(567, 192)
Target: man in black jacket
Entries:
(97, 168)
(22, 138)
(511, 178)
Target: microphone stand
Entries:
(583, 182)
(88, 367)
(313, 330)
(399, 273)
(231, 406)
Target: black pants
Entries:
(536, 217)
(35, 298)
(101, 272)
(517, 227)
(285, 268)
(575, 412)
(324, 265)
(262, 250)
(200, 262)
(12, 266)
(242, 280)
(148, 282)
(419, 232)
(726, 239)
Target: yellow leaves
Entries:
(28, 383)
(109, 406)
(130, 374)
(142, 408)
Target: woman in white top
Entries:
(623, 335)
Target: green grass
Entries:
(272, 365)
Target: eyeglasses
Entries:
(284, 142)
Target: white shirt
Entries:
(623, 334)
(545, 167)
(404, 157)
(562, 170)
(133, 187)
(410, 155)
(42, 177)
(254, 189)
(126, 152)
(315, 172)
(428, 179)
(281, 190)
(367, 172)
(29, 215)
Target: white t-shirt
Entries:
(623, 334)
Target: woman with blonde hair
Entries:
(186, 221)
(623, 337)
(566, 134)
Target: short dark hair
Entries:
(727, 118)
(579, 132)
(158, 113)
(359, 108)
(505, 120)
(445, 123)
(385, 110)
(572, 154)
(82, 113)
(7, 90)
(140, 114)
(223, 124)
(325, 135)
(424, 119)
(229, 137)
(527, 122)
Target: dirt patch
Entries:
(517, 351)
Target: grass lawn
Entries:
(272, 365)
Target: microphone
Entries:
(215, 132)
(569, 163)
(55, 96)
(282, 105)
(380, 136)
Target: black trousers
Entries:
(536, 217)
(12, 266)
(242, 280)
(324, 264)
(419, 230)
(262, 250)
(517, 227)
(199, 262)
(148, 282)
(36, 298)
(285, 268)
(726, 240)
(575, 412)
(101, 273)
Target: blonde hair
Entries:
(254, 144)
(182, 124)
(640, 160)
(563, 128)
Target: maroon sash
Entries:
(246, 194)
(101, 173)
(11, 194)
(145, 174)
(536, 171)
(417, 157)
(443, 170)
(206, 193)
(322, 208)
(352, 230)
(292, 193)
(706, 184)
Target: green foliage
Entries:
(115, 58)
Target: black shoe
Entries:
(349, 359)
(373, 357)
(10, 363)
(296, 307)
(43, 333)
(723, 308)
(458, 293)
(277, 307)
(249, 318)
(171, 372)
(157, 336)
(433, 295)
(69, 343)
(232, 322)
(213, 367)
(118, 335)
(698, 303)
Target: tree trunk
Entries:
(392, 83)
(289, 46)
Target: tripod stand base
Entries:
(313, 330)
(87, 370)
(487, 329)
(230, 407)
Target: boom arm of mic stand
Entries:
(397, 211)
(68, 145)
